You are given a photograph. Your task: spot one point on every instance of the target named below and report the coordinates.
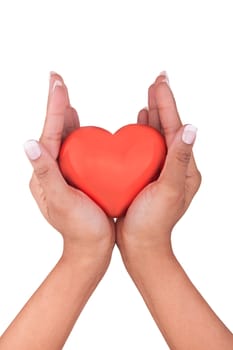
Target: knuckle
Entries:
(51, 136)
(42, 171)
(173, 194)
(198, 176)
(198, 179)
(183, 157)
(168, 129)
(31, 184)
(165, 106)
(195, 178)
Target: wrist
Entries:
(144, 244)
(88, 257)
(138, 259)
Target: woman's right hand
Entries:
(87, 232)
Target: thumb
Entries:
(45, 169)
(178, 156)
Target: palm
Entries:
(143, 205)
(93, 217)
(94, 220)
(155, 204)
(61, 120)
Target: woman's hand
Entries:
(87, 231)
(48, 317)
(154, 212)
(144, 236)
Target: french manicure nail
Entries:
(165, 80)
(32, 149)
(56, 83)
(51, 73)
(164, 73)
(165, 77)
(189, 134)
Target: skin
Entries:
(88, 234)
(143, 236)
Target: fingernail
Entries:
(164, 72)
(32, 149)
(55, 84)
(51, 73)
(189, 134)
(165, 75)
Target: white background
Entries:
(109, 52)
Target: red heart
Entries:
(112, 168)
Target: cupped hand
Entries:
(86, 230)
(152, 215)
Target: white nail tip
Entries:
(52, 73)
(164, 73)
(55, 84)
(165, 80)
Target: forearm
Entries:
(183, 316)
(47, 319)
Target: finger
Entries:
(167, 110)
(54, 121)
(168, 113)
(153, 109)
(154, 119)
(162, 76)
(38, 194)
(46, 172)
(35, 186)
(143, 116)
(53, 77)
(178, 158)
(71, 121)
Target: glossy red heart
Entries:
(112, 168)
